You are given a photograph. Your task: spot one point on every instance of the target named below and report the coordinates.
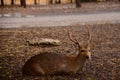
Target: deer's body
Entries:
(52, 63)
(47, 63)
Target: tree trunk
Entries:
(12, 2)
(23, 3)
(35, 2)
(2, 2)
(78, 3)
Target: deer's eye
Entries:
(82, 50)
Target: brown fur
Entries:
(53, 63)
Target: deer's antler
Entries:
(89, 39)
(74, 41)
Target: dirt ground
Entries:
(105, 48)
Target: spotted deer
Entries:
(49, 63)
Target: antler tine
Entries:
(78, 43)
(75, 41)
(70, 37)
(89, 36)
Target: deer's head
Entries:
(84, 50)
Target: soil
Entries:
(105, 48)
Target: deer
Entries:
(51, 63)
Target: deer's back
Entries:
(49, 62)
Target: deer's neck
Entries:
(75, 60)
(80, 59)
(76, 63)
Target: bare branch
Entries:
(44, 41)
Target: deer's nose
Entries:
(88, 56)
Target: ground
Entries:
(105, 48)
(105, 63)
